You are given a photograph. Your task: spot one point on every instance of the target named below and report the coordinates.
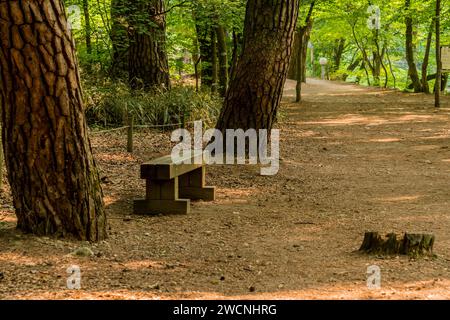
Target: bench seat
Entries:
(170, 185)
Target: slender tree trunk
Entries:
(255, 92)
(412, 69)
(196, 61)
(300, 52)
(54, 181)
(366, 61)
(87, 26)
(378, 61)
(438, 55)
(391, 68)
(215, 65)
(338, 50)
(306, 37)
(386, 80)
(1, 159)
(148, 65)
(299, 66)
(426, 58)
(367, 73)
(223, 59)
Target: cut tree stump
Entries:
(411, 244)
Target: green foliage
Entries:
(334, 20)
(108, 102)
(347, 19)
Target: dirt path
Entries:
(353, 159)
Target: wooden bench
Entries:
(171, 185)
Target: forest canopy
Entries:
(365, 42)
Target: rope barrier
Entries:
(141, 126)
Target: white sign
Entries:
(445, 56)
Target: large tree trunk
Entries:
(255, 92)
(148, 63)
(412, 68)
(53, 177)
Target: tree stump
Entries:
(411, 244)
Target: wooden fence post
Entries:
(1, 160)
(437, 93)
(130, 133)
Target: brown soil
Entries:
(354, 159)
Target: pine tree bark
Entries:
(53, 177)
(255, 91)
(148, 63)
(412, 68)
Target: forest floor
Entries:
(354, 159)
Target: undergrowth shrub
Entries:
(107, 104)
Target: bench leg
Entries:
(192, 186)
(162, 198)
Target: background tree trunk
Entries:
(438, 83)
(413, 74)
(215, 65)
(119, 37)
(1, 160)
(300, 47)
(87, 26)
(426, 59)
(223, 59)
(235, 56)
(147, 58)
(299, 66)
(338, 50)
(53, 177)
(300, 52)
(255, 92)
(207, 57)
